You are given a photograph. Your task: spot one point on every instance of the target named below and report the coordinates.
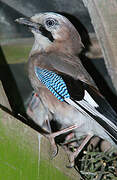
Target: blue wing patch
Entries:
(53, 82)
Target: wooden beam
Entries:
(94, 51)
(3, 98)
(103, 15)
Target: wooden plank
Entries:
(19, 154)
(103, 15)
(3, 98)
(60, 161)
(20, 150)
(18, 146)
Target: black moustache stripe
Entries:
(46, 33)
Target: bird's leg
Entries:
(51, 137)
(65, 130)
(54, 148)
(73, 155)
(70, 144)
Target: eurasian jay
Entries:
(62, 83)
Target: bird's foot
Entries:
(51, 139)
(54, 147)
(72, 155)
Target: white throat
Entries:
(41, 43)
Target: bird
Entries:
(64, 86)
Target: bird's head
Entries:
(53, 31)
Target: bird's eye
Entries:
(50, 22)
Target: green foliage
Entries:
(96, 165)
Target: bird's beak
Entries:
(27, 22)
(35, 27)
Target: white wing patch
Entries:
(90, 100)
(91, 109)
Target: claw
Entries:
(54, 147)
(73, 155)
(54, 151)
(71, 165)
(51, 139)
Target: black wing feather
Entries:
(104, 107)
(77, 88)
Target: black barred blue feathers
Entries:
(53, 82)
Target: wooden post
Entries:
(103, 15)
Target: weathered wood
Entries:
(94, 51)
(103, 15)
(60, 161)
(3, 98)
(20, 154)
(18, 149)
(22, 144)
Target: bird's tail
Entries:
(86, 109)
